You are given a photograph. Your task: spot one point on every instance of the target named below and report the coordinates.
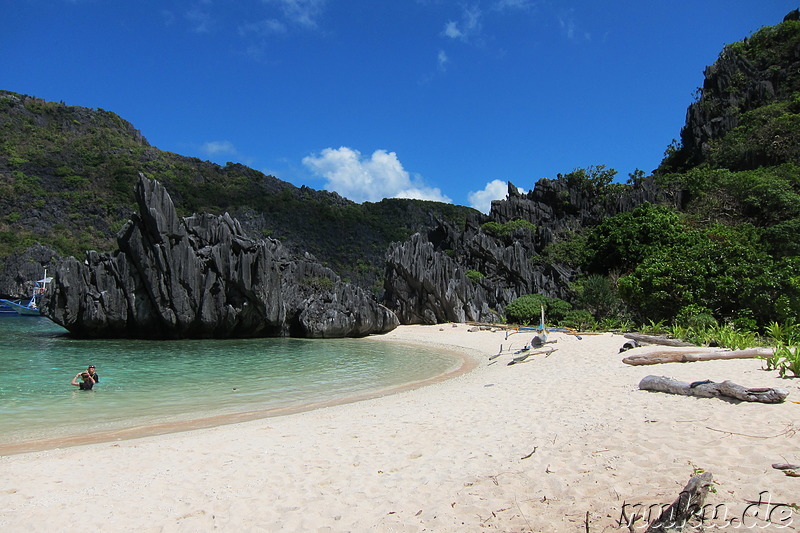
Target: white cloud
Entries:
(451, 30)
(214, 148)
(369, 179)
(569, 28)
(467, 27)
(199, 18)
(513, 4)
(302, 12)
(482, 200)
(443, 60)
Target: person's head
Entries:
(85, 376)
(90, 370)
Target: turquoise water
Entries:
(152, 382)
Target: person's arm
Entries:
(75, 380)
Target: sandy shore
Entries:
(541, 446)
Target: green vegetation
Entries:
(508, 229)
(77, 168)
(474, 276)
(527, 309)
(725, 253)
(786, 339)
(318, 283)
(719, 262)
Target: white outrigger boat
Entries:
(31, 307)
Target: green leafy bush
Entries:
(625, 240)
(526, 309)
(598, 295)
(571, 250)
(507, 229)
(580, 319)
(694, 316)
(557, 309)
(786, 359)
(474, 276)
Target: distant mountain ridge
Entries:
(67, 176)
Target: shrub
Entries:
(526, 309)
(508, 229)
(474, 276)
(728, 336)
(599, 296)
(653, 328)
(695, 316)
(786, 359)
(788, 334)
(557, 309)
(579, 319)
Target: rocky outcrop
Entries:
(202, 277)
(456, 274)
(424, 285)
(747, 75)
(21, 270)
(556, 206)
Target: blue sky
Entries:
(435, 99)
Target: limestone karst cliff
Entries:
(202, 277)
(471, 274)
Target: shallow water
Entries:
(153, 382)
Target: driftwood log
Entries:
(709, 389)
(650, 339)
(656, 358)
(689, 502)
(785, 466)
(524, 357)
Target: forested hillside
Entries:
(712, 237)
(67, 176)
(731, 249)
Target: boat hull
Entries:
(22, 309)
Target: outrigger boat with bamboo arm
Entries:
(30, 307)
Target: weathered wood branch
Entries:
(709, 389)
(656, 358)
(664, 341)
(524, 357)
(785, 466)
(689, 502)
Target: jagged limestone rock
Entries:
(202, 277)
(426, 277)
(20, 271)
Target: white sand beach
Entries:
(545, 445)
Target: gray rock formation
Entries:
(202, 277)
(21, 271)
(468, 274)
(744, 77)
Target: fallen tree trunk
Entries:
(785, 466)
(664, 341)
(709, 389)
(523, 358)
(689, 502)
(656, 358)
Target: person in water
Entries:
(87, 381)
(92, 373)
